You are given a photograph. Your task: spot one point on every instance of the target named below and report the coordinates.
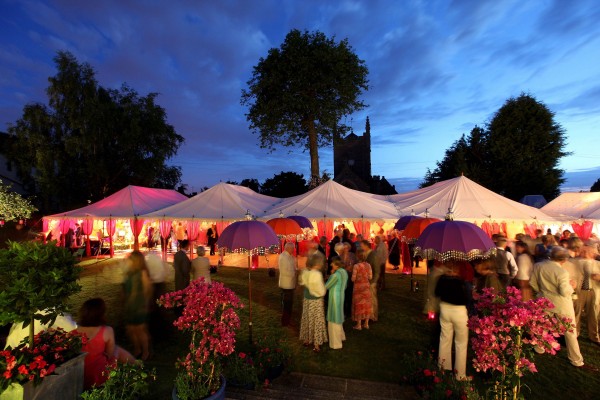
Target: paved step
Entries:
(297, 386)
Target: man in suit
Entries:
(182, 266)
(551, 281)
(212, 237)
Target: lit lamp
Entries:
(280, 214)
(248, 215)
(431, 315)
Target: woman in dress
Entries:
(201, 265)
(525, 265)
(312, 325)
(349, 259)
(336, 285)
(138, 292)
(101, 348)
(362, 306)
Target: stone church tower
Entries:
(352, 163)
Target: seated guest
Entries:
(101, 348)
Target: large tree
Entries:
(516, 155)
(595, 186)
(12, 205)
(525, 148)
(89, 141)
(299, 93)
(284, 184)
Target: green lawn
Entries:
(373, 354)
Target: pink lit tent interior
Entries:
(102, 218)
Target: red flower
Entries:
(242, 355)
(448, 392)
(437, 379)
(427, 372)
(23, 370)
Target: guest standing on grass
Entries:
(454, 296)
(550, 280)
(312, 325)
(138, 292)
(525, 265)
(371, 258)
(182, 266)
(101, 347)
(336, 285)
(287, 282)
(201, 265)
(362, 306)
(349, 259)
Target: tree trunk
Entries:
(313, 148)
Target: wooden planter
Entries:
(65, 384)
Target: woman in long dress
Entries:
(138, 292)
(336, 285)
(362, 306)
(312, 325)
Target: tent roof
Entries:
(467, 200)
(332, 200)
(222, 201)
(586, 204)
(126, 203)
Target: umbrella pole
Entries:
(249, 298)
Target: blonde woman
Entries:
(312, 325)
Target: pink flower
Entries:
(427, 372)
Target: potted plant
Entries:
(271, 355)
(53, 354)
(209, 316)
(36, 279)
(125, 382)
(240, 371)
(505, 332)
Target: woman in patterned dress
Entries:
(362, 306)
(312, 325)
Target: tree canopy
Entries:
(284, 184)
(89, 141)
(12, 205)
(299, 93)
(517, 153)
(595, 186)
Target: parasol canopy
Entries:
(285, 226)
(247, 236)
(403, 221)
(302, 221)
(454, 240)
(414, 228)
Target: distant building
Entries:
(352, 164)
(8, 171)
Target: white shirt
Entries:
(525, 267)
(313, 280)
(512, 264)
(287, 271)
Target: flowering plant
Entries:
(209, 314)
(421, 370)
(270, 352)
(506, 330)
(240, 370)
(126, 381)
(50, 349)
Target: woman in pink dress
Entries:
(101, 348)
(362, 307)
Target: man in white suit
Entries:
(551, 281)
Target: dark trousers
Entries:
(504, 280)
(213, 246)
(348, 299)
(287, 301)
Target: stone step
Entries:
(296, 386)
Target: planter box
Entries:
(65, 384)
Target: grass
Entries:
(373, 354)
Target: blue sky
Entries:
(436, 69)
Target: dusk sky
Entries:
(436, 69)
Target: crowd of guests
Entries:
(565, 271)
(340, 282)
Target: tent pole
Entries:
(250, 297)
